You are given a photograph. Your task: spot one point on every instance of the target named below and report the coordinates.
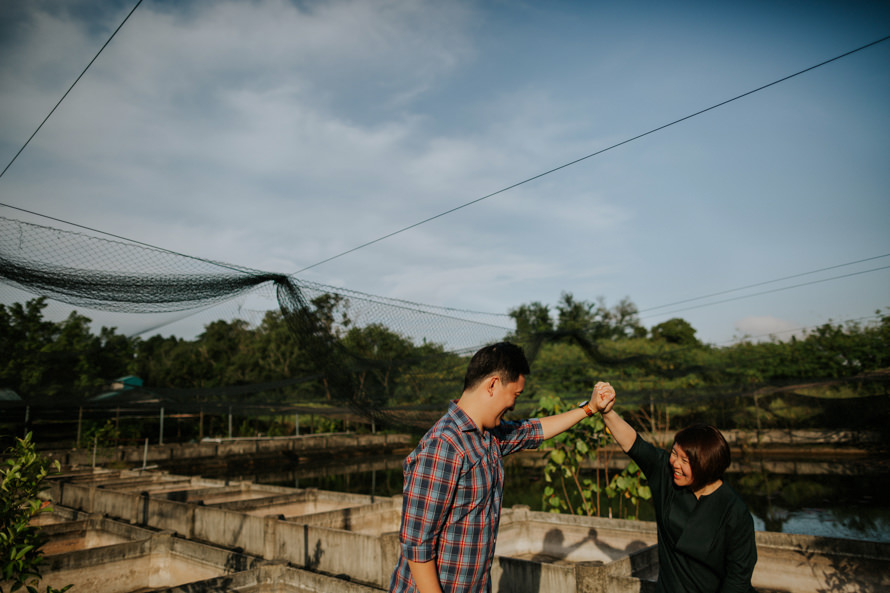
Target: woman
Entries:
(705, 532)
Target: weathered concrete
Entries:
(298, 503)
(273, 578)
(356, 535)
(245, 448)
(100, 555)
(85, 534)
(803, 564)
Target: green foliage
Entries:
(103, 435)
(42, 358)
(664, 380)
(675, 331)
(568, 488)
(21, 480)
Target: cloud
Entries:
(276, 134)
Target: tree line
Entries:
(827, 377)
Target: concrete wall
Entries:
(803, 564)
(373, 519)
(115, 557)
(238, 447)
(273, 578)
(535, 551)
(550, 537)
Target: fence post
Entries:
(79, 423)
(161, 435)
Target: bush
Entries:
(21, 480)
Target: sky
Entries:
(280, 135)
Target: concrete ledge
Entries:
(348, 534)
(273, 578)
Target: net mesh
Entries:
(100, 274)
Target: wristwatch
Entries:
(585, 405)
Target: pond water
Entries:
(841, 497)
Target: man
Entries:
(451, 504)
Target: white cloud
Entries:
(276, 134)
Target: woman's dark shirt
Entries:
(705, 545)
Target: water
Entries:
(842, 497)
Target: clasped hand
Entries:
(603, 397)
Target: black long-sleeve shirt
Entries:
(705, 545)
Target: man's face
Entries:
(503, 398)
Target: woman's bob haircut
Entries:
(707, 451)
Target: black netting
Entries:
(93, 273)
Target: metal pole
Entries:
(79, 423)
(230, 421)
(201, 425)
(145, 454)
(95, 445)
(27, 416)
(297, 423)
(161, 435)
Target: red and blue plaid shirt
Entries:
(451, 503)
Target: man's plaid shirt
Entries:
(451, 503)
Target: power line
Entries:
(731, 290)
(247, 270)
(774, 290)
(53, 110)
(599, 152)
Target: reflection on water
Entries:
(850, 504)
(832, 498)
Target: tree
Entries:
(676, 331)
(533, 318)
(380, 356)
(40, 358)
(596, 322)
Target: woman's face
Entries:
(679, 462)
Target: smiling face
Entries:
(503, 398)
(679, 462)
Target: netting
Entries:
(99, 274)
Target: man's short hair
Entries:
(503, 359)
(707, 451)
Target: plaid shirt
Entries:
(451, 505)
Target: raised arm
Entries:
(623, 433)
(558, 423)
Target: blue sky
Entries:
(275, 134)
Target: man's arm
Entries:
(558, 423)
(426, 576)
(430, 483)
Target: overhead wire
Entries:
(764, 283)
(53, 110)
(639, 136)
(591, 155)
(774, 290)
